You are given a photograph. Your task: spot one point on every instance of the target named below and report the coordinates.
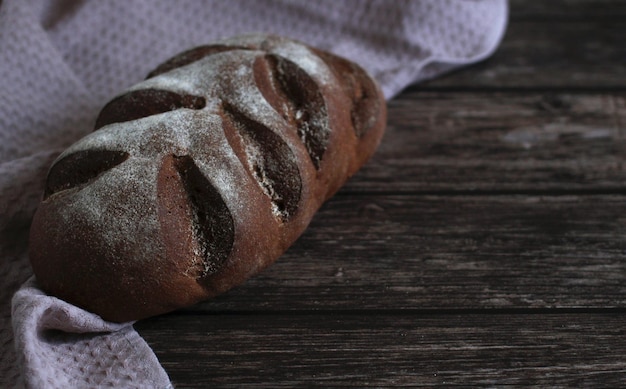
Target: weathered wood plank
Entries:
(557, 350)
(447, 252)
(448, 142)
(589, 53)
(567, 10)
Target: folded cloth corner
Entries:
(61, 345)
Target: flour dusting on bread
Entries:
(215, 165)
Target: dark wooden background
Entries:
(483, 245)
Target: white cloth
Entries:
(61, 60)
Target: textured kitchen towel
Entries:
(61, 60)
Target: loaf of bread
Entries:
(201, 175)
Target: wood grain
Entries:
(516, 142)
(554, 350)
(542, 54)
(448, 252)
(567, 10)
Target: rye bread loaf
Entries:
(201, 175)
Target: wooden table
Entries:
(483, 245)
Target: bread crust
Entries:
(202, 175)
